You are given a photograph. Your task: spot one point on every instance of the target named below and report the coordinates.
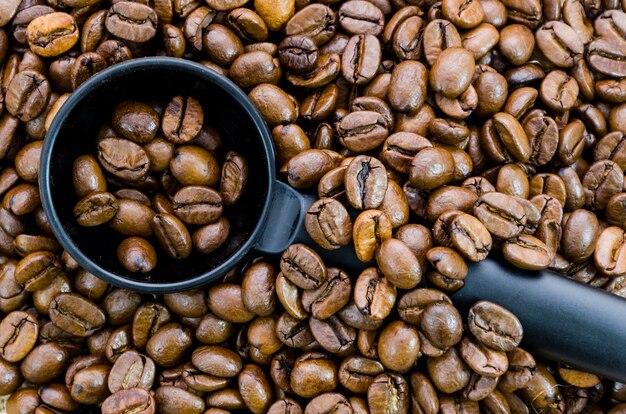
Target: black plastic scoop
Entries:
(563, 320)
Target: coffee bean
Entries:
(357, 373)
(501, 214)
(172, 399)
(95, 209)
(559, 91)
(431, 168)
(135, 121)
(329, 224)
(135, 399)
(313, 373)
(172, 235)
(19, 334)
(494, 326)
(374, 295)
(333, 334)
(76, 315)
(521, 370)
(329, 402)
(137, 255)
(398, 346)
(303, 267)
(168, 344)
(452, 83)
(317, 21)
(470, 237)
(361, 17)
(298, 53)
(360, 58)
(448, 371)
(182, 119)
(130, 21)
(388, 390)
(52, 34)
(398, 263)
(122, 158)
(559, 43)
(601, 182)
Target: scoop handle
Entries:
(285, 226)
(563, 320)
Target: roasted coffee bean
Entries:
(85, 66)
(132, 218)
(298, 53)
(365, 182)
(313, 373)
(470, 237)
(329, 402)
(172, 235)
(52, 34)
(226, 302)
(329, 224)
(603, 179)
(131, 21)
(333, 334)
(182, 119)
(559, 91)
(303, 267)
(357, 373)
(405, 33)
(521, 370)
(87, 176)
(37, 270)
(136, 121)
(501, 214)
(452, 83)
(361, 17)
(95, 209)
(317, 21)
(172, 399)
(197, 205)
(483, 360)
(362, 131)
(571, 142)
(374, 295)
(131, 370)
(541, 391)
(137, 255)
(19, 334)
(45, 363)
(431, 168)
(132, 399)
(360, 58)
(308, 167)
(76, 315)
(168, 344)
(441, 324)
(371, 228)
(398, 346)
(494, 326)
(388, 390)
(398, 263)
(559, 43)
(122, 158)
(448, 371)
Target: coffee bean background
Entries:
(433, 132)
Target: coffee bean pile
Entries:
(195, 204)
(454, 128)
